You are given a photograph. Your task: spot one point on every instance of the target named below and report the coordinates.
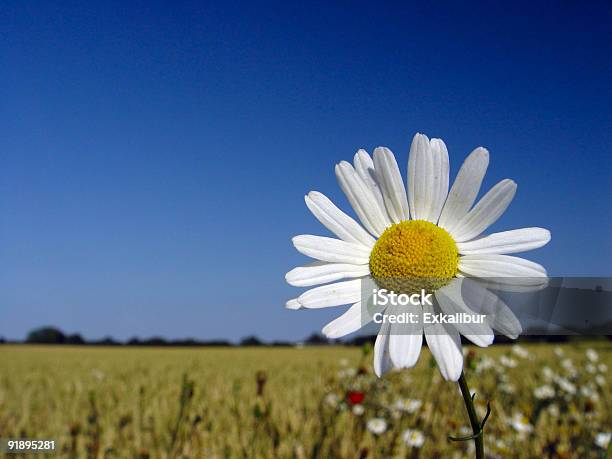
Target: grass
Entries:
(292, 403)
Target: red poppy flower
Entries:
(355, 398)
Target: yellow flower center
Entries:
(414, 255)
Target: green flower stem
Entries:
(476, 425)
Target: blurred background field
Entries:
(319, 401)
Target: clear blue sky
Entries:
(154, 157)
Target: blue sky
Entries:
(154, 156)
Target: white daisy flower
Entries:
(508, 361)
(553, 410)
(413, 438)
(424, 232)
(520, 351)
(507, 388)
(600, 380)
(520, 423)
(602, 368)
(500, 444)
(98, 374)
(358, 410)
(590, 393)
(408, 405)
(592, 355)
(566, 386)
(590, 368)
(332, 399)
(568, 366)
(485, 363)
(548, 374)
(377, 426)
(602, 439)
(346, 373)
(544, 392)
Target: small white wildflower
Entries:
(377, 426)
(484, 363)
(520, 351)
(414, 405)
(507, 388)
(553, 410)
(590, 368)
(566, 386)
(590, 393)
(558, 351)
(358, 410)
(602, 368)
(408, 405)
(507, 361)
(600, 380)
(602, 439)
(548, 374)
(500, 445)
(567, 364)
(347, 373)
(544, 392)
(520, 423)
(98, 374)
(414, 438)
(592, 355)
(332, 399)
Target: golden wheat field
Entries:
(311, 402)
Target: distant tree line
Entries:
(53, 335)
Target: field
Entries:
(546, 401)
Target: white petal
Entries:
(486, 212)
(382, 359)
(325, 296)
(502, 268)
(445, 345)
(347, 323)
(365, 168)
(483, 301)
(332, 250)
(391, 183)
(321, 272)
(337, 221)
(420, 178)
(362, 199)
(405, 342)
(494, 284)
(465, 188)
(451, 302)
(518, 240)
(440, 178)
(293, 304)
